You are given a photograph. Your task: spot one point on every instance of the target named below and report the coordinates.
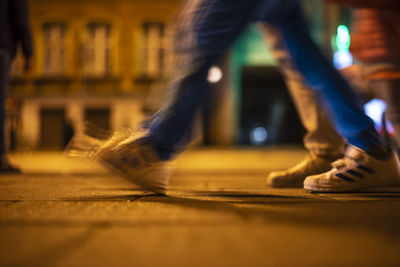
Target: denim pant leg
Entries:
(5, 64)
(202, 39)
(322, 138)
(320, 74)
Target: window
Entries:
(99, 118)
(97, 56)
(154, 47)
(54, 48)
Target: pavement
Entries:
(71, 212)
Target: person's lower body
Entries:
(216, 27)
(367, 162)
(204, 36)
(5, 65)
(323, 142)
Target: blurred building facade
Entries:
(94, 60)
(106, 62)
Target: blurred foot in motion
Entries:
(126, 153)
(135, 159)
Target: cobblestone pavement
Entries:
(71, 212)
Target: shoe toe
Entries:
(274, 177)
(324, 182)
(278, 179)
(316, 180)
(284, 179)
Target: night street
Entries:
(71, 212)
(257, 96)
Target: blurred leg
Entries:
(207, 31)
(321, 139)
(320, 74)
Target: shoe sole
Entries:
(320, 189)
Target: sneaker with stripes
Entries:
(136, 160)
(357, 170)
(127, 154)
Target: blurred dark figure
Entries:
(14, 31)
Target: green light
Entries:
(343, 38)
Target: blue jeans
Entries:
(213, 27)
(321, 138)
(5, 65)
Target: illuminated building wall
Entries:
(96, 60)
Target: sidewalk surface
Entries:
(71, 212)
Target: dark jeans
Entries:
(5, 64)
(213, 27)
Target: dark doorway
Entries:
(268, 115)
(52, 128)
(98, 117)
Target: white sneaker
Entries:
(136, 161)
(357, 170)
(294, 177)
